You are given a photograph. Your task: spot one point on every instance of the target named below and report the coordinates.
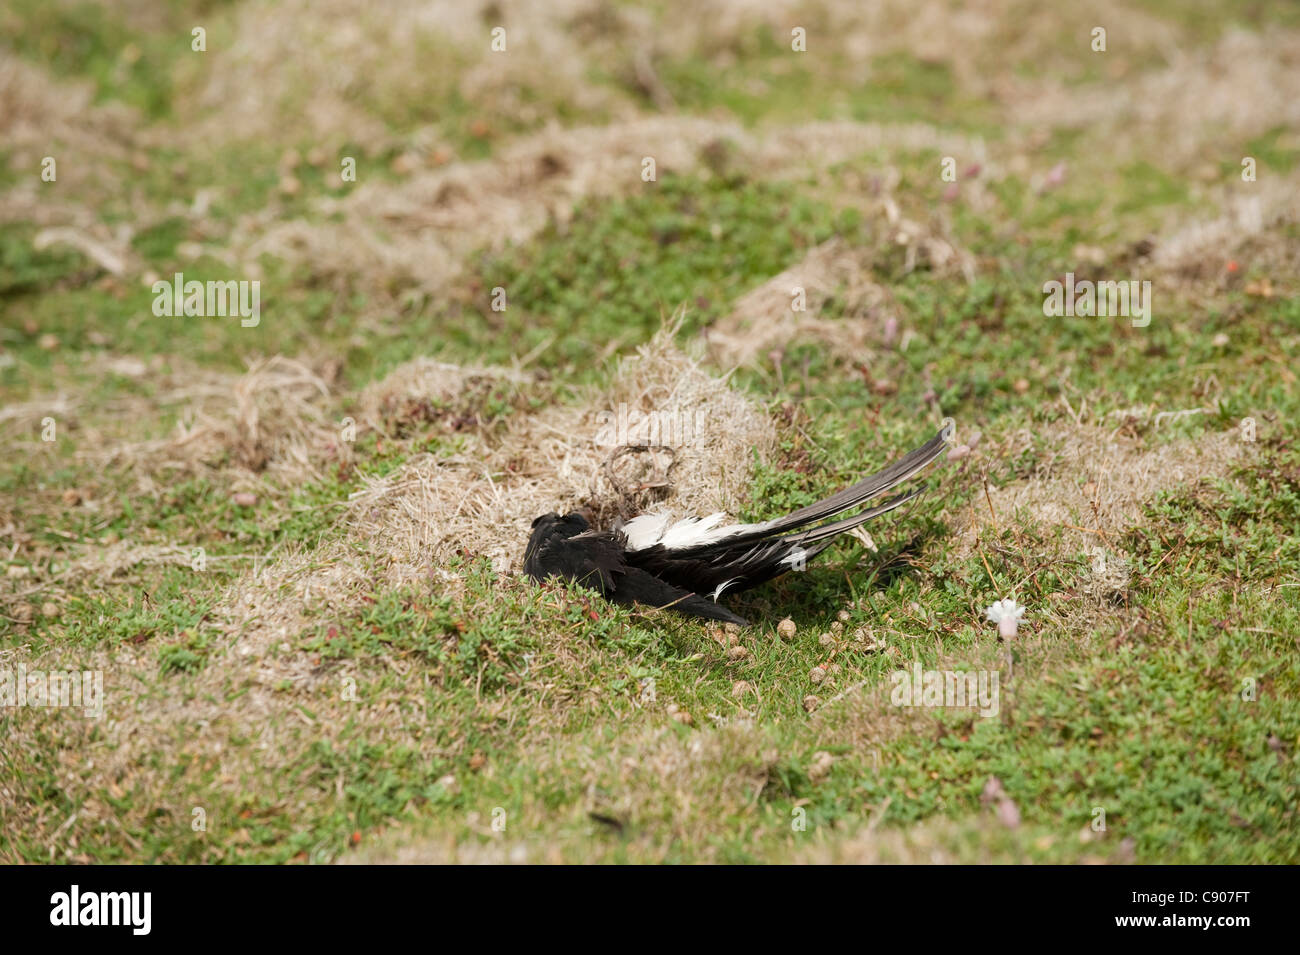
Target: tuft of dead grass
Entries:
(1079, 503)
(1240, 87)
(765, 319)
(259, 84)
(269, 427)
(1254, 224)
(554, 460)
(1094, 484)
(42, 116)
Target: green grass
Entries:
(88, 40)
(703, 243)
(379, 717)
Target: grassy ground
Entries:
(293, 549)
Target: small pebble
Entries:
(820, 767)
(786, 629)
(816, 674)
(405, 164)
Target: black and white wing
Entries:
(709, 557)
(596, 559)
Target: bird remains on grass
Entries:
(687, 565)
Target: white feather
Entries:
(721, 587)
(647, 530)
(796, 558)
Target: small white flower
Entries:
(1006, 614)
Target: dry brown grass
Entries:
(1254, 225)
(42, 116)
(765, 320)
(269, 422)
(1091, 488)
(419, 231)
(973, 840)
(1074, 511)
(261, 433)
(258, 85)
(1241, 87)
(485, 499)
